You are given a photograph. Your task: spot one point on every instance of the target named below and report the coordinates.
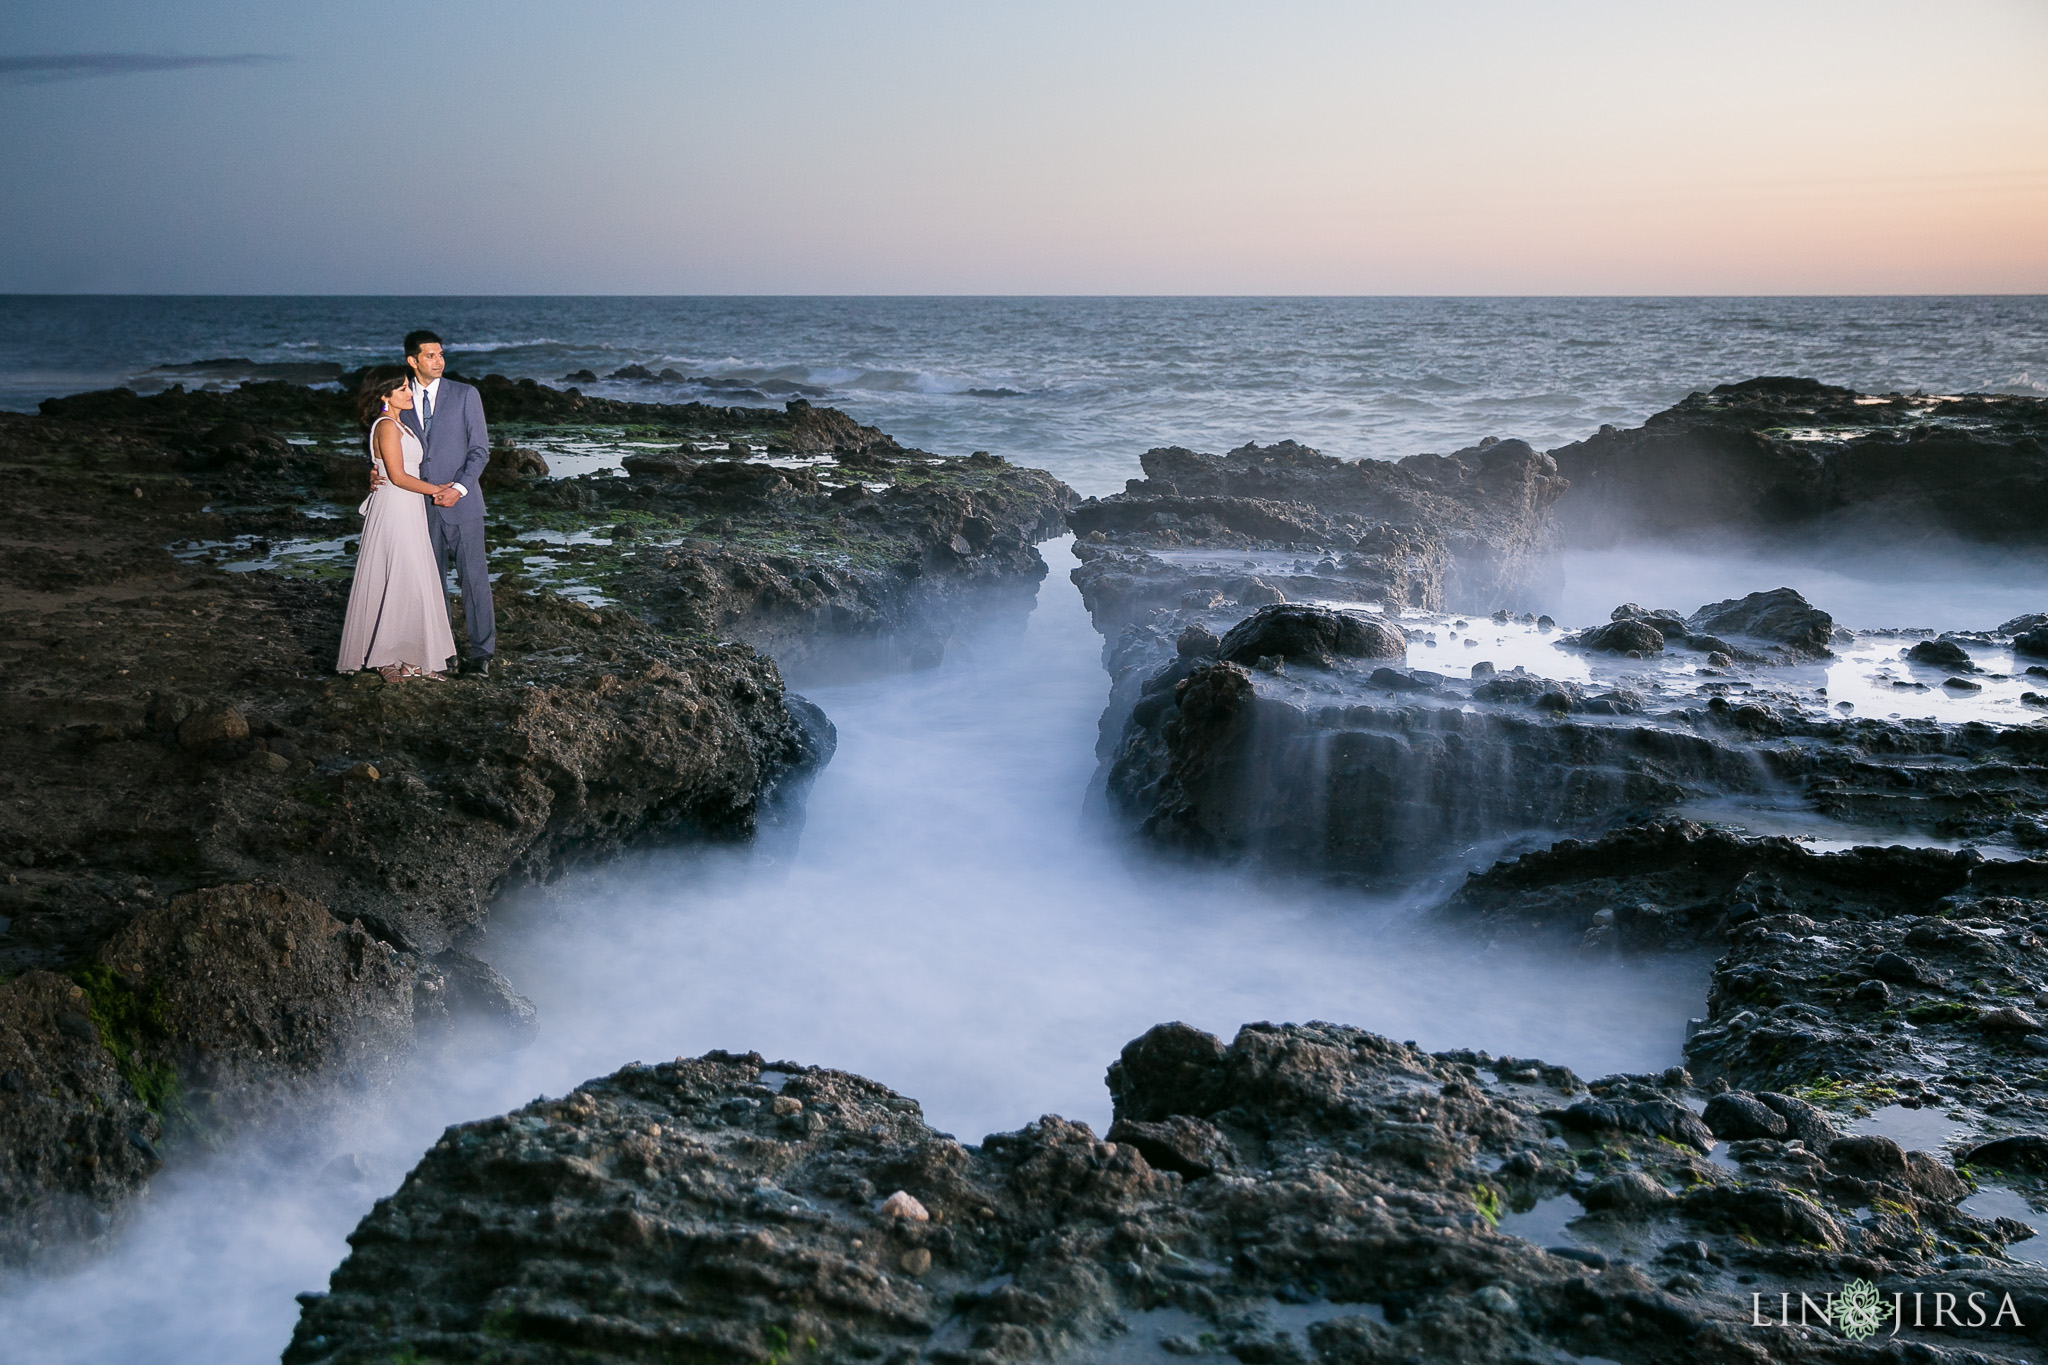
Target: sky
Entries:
(895, 147)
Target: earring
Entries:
(387, 407)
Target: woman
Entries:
(397, 620)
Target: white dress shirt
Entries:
(426, 398)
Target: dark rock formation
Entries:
(513, 467)
(1780, 617)
(260, 874)
(1940, 654)
(1777, 457)
(827, 581)
(1629, 635)
(1310, 635)
(1203, 541)
(1470, 531)
(1826, 958)
(1381, 772)
(1304, 1193)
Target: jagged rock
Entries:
(1197, 642)
(1631, 1194)
(1344, 777)
(1734, 1115)
(1311, 634)
(204, 729)
(673, 1193)
(1870, 1154)
(1191, 1147)
(1429, 531)
(79, 1137)
(1780, 617)
(1652, 1118)
(1783, 456)
(2020, 1152)
(2009, 1019)
(1779, 1214)
(513, 467)
(193, 739)
(1940, 654)
(1626, 636)
(1804, 1121)
(1899, 969)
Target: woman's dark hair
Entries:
(378, 381)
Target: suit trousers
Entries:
(463, 542)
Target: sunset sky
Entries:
(1093, 148)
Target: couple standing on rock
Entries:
(428, 449)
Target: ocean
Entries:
(952, 923)
(1083, 386)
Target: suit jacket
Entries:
(455, 448)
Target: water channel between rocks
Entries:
(946, 925)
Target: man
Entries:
(448, 417)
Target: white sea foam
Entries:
(947, 925)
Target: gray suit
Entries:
(456, 447)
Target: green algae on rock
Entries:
(1355, 1200)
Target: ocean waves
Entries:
(1083, 386)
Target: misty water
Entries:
(947, 924)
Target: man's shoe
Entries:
(477, 666)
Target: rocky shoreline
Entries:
(1787, 459)
(238, 883)
(1317, 668)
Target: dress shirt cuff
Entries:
(460, 491)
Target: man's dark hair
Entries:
(415, 340)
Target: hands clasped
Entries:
(443, 494)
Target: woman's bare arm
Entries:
(392, 455)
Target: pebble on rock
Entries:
(2010, 1019)
(224, 726)
(902, 1205)
(1628, 1193)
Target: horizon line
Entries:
(729, 294)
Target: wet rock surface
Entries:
(1878, 983)
(818, 541)
(1779, 456)
(1204, 543)
(263, 876)
(1321, 762)
(1356, 1200)
(1472, 530)
(1290, 684)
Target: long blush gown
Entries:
(397, 606)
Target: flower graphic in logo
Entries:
(1860, 1310)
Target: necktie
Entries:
(426, 410)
